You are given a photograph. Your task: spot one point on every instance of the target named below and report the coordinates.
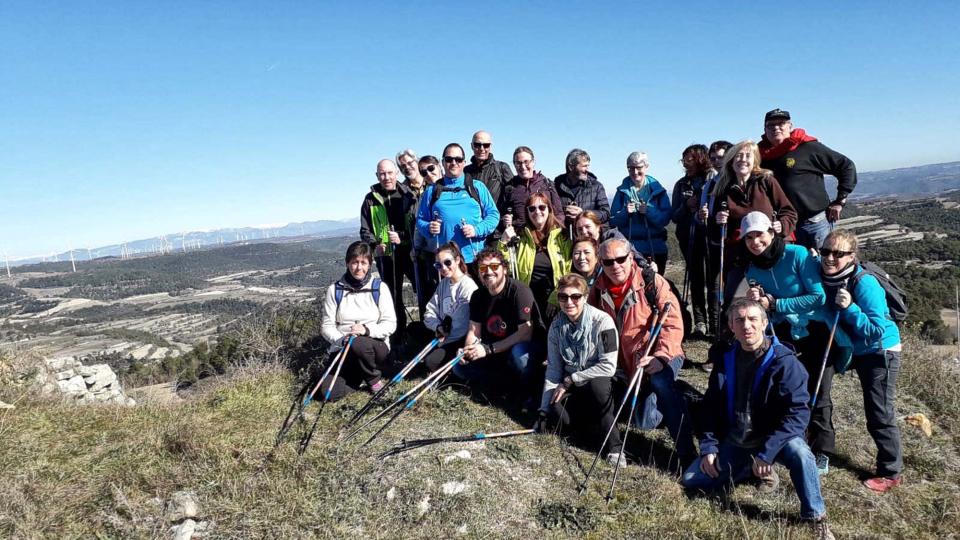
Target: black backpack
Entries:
(896, 298)
(467, 185)
(650, 292)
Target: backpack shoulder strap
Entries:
(338, 293)
(375, 288)
(471, 188)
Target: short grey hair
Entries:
(409, 153)
(575, 156)
(638, 158)
(610, 243)
(745, 303)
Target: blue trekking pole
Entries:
(634, 382)
(406, 445)
(305, 441)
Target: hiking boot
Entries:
(823, 464)
(614, 457)
(881, 484)
(700, 330)
(769, 483)
(376, 387)
(821, 531)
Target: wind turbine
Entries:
(6, 259)
(72, 262)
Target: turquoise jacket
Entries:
(866, 322)
(794, 281)
(647, 234)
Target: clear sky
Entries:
(122, 120)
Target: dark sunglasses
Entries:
(835, 253)
(618, 260)
(492, 266)
(481, 145)
(446, 262)
(451, 159)
(576, 297)
(429, 169)
(534, 207)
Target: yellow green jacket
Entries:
(558, 248)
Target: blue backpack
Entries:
(339, 290)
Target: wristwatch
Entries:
(488, 349)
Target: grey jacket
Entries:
(594, 352)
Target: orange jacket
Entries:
(634, 319)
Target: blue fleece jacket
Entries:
(454, 208)
(780, 403)
(635, 226)
(795, 283)
(866, 321)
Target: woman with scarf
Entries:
(360, 306)
(687, 193)
(785, 279)
(543, 252)
(744, 187)
(448, 312)
(641, 211)
(582, 347)
(586, 259)
(859, 304)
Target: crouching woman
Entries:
(361, 306)
(582, 347)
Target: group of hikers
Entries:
(556, 298)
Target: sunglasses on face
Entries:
(834, 253)
(451, 159)
(576, 297)
(481, 145)
(428, 169)
(619, 260)
(535, 207)
(492, 267)
(446, 262)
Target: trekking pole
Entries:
(823, 364)
(441, 374)
(436, 238)
(297, 406)
(687, 276)
(337, 360)
(396, 379)
(723, 241)
(511, 248)
(430, 378)
(634, 382)
(406, 445)
(305, 441)
(393, 263)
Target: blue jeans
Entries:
(811, 234)
(671, 405)
(735, 465)
(523, 359)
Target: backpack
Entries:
(650, 292)
(339, 290)
(896, 298)
(467, 186)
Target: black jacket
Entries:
(494, 174)
(588, 195)
(400, 209)
(801, 171)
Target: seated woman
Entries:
(785, 280)
(875, 338)
(641, 211)
(586, 261)
(448, 312)
(358, 305)
(582, 347)
(543, 252)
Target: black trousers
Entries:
(694, 255)
(439, 356)
(426, 278)
(878, 374)
(590, 408)
(392, 269)
(821, 435)
(366, 358)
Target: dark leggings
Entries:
(878, 378)
(442, 354)
(591, 408)
(367, 355)
(820, 432)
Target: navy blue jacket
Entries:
(780, 403)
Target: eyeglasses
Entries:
(525, 163)
(636, 167)
(429, 169)
(481, 145)
(834, 253)
(451, 159)
(576, 297)
(446, 262)
(619, 260)
(534, 207)
(492, 266)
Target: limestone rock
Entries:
(453, 488)
(462, 454)
(73, 386)
(6, 406)
(423, 506)
(66, 374)
(182, 505)
(185, 530)
(391, 493)
(60, 364)
(101, 377)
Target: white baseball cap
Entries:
(754, 222)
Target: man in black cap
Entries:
(799, 162)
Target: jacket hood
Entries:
(565, 178)
(655, 187)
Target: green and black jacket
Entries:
(381, 210)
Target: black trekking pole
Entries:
(723, 240)
(305, 440)
(395, 380)
(406, 445)
(295, 413)
(823, 364)
(634, 382)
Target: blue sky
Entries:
(124, 120)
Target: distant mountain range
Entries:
(190, 240)
(922, 180)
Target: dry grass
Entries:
(69, 472)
